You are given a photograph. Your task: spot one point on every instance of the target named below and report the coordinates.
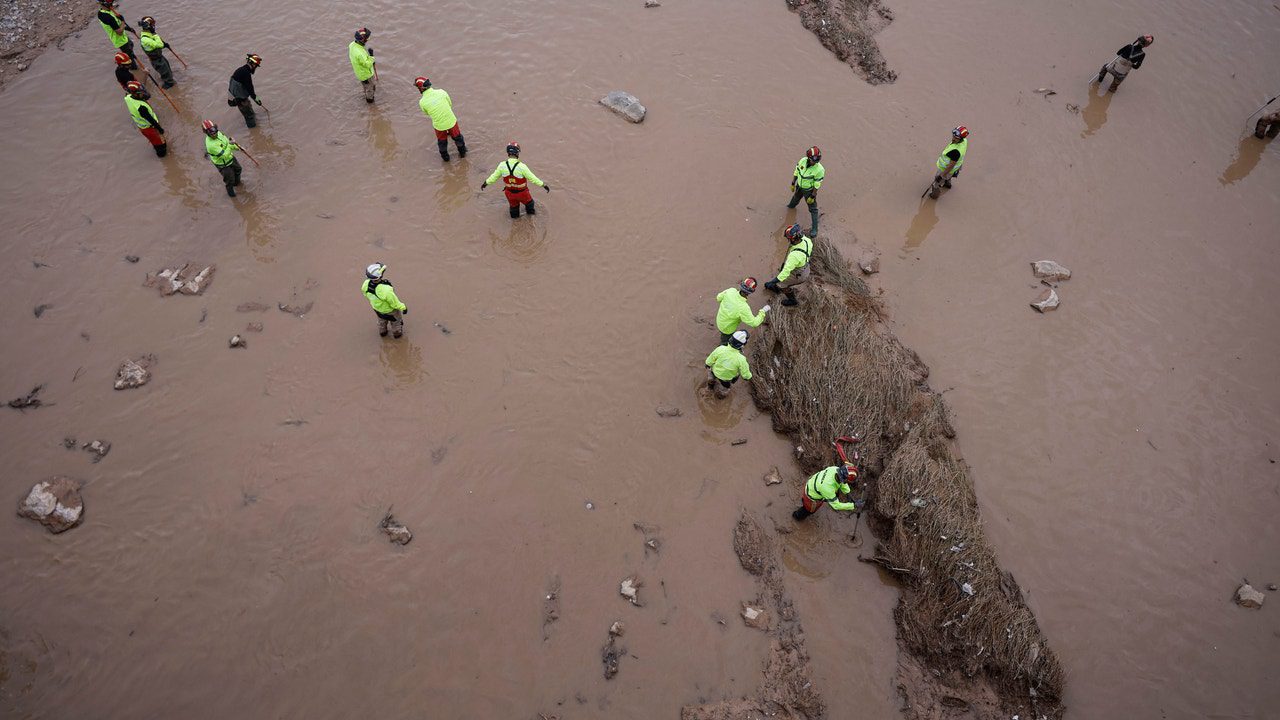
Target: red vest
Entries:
(511, 183)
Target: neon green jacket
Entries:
(383, 298)
(808, 177)
(519, 170)
(151, 42)
(734, 309)
(361, 61)
(797, 257)
(135, 106)
(117, 34)
(727, 362)
(437, 105)
(822, 487)
(221, 150)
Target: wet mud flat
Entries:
(847, 28)
(27, 27)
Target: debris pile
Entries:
(134, 373)
(185, 279)
(54, 503)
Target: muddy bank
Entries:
(847, 28)
(968, 641)
(27, 27)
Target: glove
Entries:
(159, 129)
(766, 308)
(258, 101)
(370, 51)
(793, 186)
(771, 286)
(404, 311)
(484, 184)
(547, 188)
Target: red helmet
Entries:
(813, 153)
(792, 233)
(253, 60)
(133, 87)
(209, 127)
(422, 83)
(1147, 40)
(961, 132)
(513, 148)
(122, 58)
(363, 34)
(748, 285)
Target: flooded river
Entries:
(229, 564)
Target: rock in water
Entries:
(869, 265)
(1246, 597)
(773, 477)
(99, 448)
(1047, 301)
(397, 533)
(667, 411)
(629, 588)
(134, 373)
(755, 617)
(1050, 270)
(182, 279)
(625, 104)
(54, 503)
(237, 342)
(617, 629)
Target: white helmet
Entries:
(740, 338)
(374, 271)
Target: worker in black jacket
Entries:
(1128, 58)
(241, 89)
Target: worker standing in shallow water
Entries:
(362, 62)
(1128, 58)
(1268, 126)
(154, 47)
(437, 105)
(735, 310)
(950, 160)
(726, 364)
(125, 65)
(516, 177)
(241, 89)
(805, 183)
(825, 487)
(795, 266)
(378, 291)
(113, 22)
(145, 117)
(222, 153)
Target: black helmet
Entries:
(513, 148)
(147, 23)
(362, 34)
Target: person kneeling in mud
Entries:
(824, 487)
(726, 364)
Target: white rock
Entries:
(773, 477)
(755, 617)
(1247, 597)
(134, 373)
(869, 265)
(629, 588)
(1050, 270)
(625, 104)
(1047, 301)
(54, 503)
(617, 629)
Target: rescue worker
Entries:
(1268, 126)
(726, 364)
(222, 153)
(437, 105)
(241, 89)
(154, 46)
(795, 266)
(516, 177)
(125, 65)
(805, 183)
(1128, 58)
(734, 309)
(362, 63)
(113, 22)
(950, 160)
(145, 117)
(824, 487)
(377, 289)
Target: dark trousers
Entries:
(161, 64)
(246, 109)
(230, 175)
(811, 199)
(1268, 126)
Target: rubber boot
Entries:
(801, 514)
(790, 299)
(530, 208)
(947, 183)
(444, 149)
(461, 144)
(231, 191)
(1115, 85)
(515, 211)
(161, 150)
(1101, 74)
(813, 218)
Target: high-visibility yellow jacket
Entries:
(797, 257)
(117, 33)
(809, 177)
(517, 171)
(221, 150)
(151, 42)
(383, 298)
(135, 109)
(734, 309)
(727, 362)
(822, 487)
(438, 106)
(361, 61)
(943, 161)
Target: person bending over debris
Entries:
(240, 87)
(805, 183)
(795, 266)
(362, 63)
(145, 118)
(734, 309)
(824, 487)
(154, 47)
(378, 291)
(726, 364)
(113, 22)
(437, 105)
(516, 177)
(1128, 58)
(950, 160)
(222, 153)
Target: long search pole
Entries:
(179, 57)
(246, 153)
(1255, 112)
(162, 92)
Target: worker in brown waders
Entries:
(154, 46)
(125, 66)
(240, 87)
(824, 488)
(145, 117)
(516, 177)
(1128, 58)
(805, 183)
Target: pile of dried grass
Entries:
(828, 368)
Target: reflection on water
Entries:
(402, 361)
(1095, 113)
(180, 184)
(382, 134)
(922, 224)
(1247, 156)
(452, 189)
(720, 413)
(525, 243)
(261, 225)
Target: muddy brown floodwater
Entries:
(229, 563)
